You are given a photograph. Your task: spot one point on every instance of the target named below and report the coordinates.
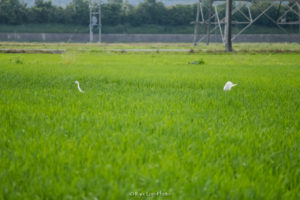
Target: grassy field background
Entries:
(76, 48)
(149, 123)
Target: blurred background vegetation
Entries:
(118, 16)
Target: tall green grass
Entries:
(148, 123)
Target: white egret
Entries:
(80, 90)
(228, 86)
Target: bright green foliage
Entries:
(11, 12)
(149, 122)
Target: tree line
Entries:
(115, 12)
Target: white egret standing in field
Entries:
(228, 86)
(80, 90)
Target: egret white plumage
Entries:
(228, 86)
(80, 90)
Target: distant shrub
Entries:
(17, 60)
(191, 51)
(198, 62)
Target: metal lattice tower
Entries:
(293, 6)
(95, 19)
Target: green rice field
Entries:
(150, 125)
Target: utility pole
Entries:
(228, 42)
(209, 22)
(298, 5)
(100, 23)
(197, 23)
(278, 11)
(91, 24)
